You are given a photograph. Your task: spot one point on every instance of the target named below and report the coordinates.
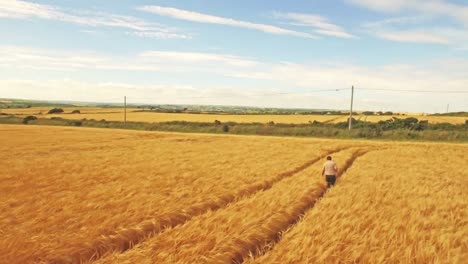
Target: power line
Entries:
(412, 91)
(306, 93)
(311, 91)
(265, 94)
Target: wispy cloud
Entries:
(157, 61)
(318, 23)
(197, 57)
(158, 34)
(15, 9)
(425, 21)
(88, 31)
(412, 36)
(43, 59)
(253, 75)
(418, 29)
(428, 7)
(211, 19)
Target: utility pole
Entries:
(125, 110)
(351, 110)
(448, 107)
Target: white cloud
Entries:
(160, 61)
(428, 7)
(425, 21)
(388, 76)
(158, 34)
(417, 29)
(19, 57)
(22, 9)
(413, 36)
(197, 57)
(385, 5)
(320, 24)
(15, 9)
(91, 32)
(91, 91)
(255, 77)
(210, 19)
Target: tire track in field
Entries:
(270, 234)
(125, 239)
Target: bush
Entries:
(29, 118)
(422, 125)
(368, 113)
(76, 112)
(55, 111)
(217, 122)
(75, 123)
(226, 128)
(316, 123)
(56, 118)
(419, 127)
(443, 126)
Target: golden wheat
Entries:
(78, 193)
(401, 205)
(72, 195)
(231, 233)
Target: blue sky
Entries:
(258, 53)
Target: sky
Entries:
(400, 55)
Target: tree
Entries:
(29, 118)
(55, 111)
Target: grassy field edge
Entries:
(362, 130)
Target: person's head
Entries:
(329, 157)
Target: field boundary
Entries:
(125, 239)
(400, 129)
(270, 234)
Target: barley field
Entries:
(117, 114)
(85, 195)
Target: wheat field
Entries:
(413, 210)
(117, 114)
(85, 195)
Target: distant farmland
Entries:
(72, 195)
(134, 115)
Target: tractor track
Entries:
(125, 239)
(271, 233)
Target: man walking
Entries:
(329, 171)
